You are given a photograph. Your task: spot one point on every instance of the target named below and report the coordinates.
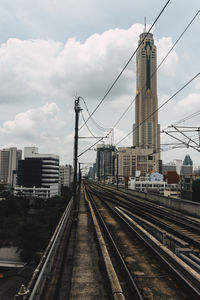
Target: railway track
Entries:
(180, 225)
(147, 269)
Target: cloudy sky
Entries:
(54, 50)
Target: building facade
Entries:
(38, 174)
(187, 161)
(65, 175)
(132, 159)
(105, 161)
(154, 183)
(9, 164)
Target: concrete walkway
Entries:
(87, 282)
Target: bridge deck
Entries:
(87, 282)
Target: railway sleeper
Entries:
(175, 244)
(182, 270)
(167, 239)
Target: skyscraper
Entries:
(144, 156)
(146, 130)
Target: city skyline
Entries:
(46, 61)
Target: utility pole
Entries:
(104, 168)
(79, 172)
(77, 109)
(117, 171)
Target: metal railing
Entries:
(41, 273)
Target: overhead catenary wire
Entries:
(165, 57)
(88, 126)
(152, 75)
(91, 147)
(119, 75)
(94, 122)
(194, 114)
(177, 92)
(186, 118)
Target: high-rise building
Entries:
(105, 161)
(65, 175)
(9, 164)
(146, 130)
(187, 161)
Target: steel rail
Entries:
(181, 273)
(190, 225)
(193, 224)
(126, 271)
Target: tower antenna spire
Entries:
(145, 24)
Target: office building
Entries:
(153, 183)
(65, 175)
(38, 174)
(9, 164)
(105, 161)
(132, 159)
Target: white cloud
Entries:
(188, 105)
(169, 65)
(36, 71)
(29, 123)
(47, 68)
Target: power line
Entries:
(186, 84)
(152, 75)
(94, 122)
(91, 147)
(119, 75)
(179, 37)
(188, 117)
(182, 130)
(165, 57)
(88, 127)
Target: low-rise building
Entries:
(154, 183)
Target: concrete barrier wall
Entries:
(9, 254)
(181, 205)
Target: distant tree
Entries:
(32, 238)
(16, 205)
(4, 191)
(30, 232)
(196, 190)
(66, 191)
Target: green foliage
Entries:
(66, 191)
(30, 232)
(32, 237)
